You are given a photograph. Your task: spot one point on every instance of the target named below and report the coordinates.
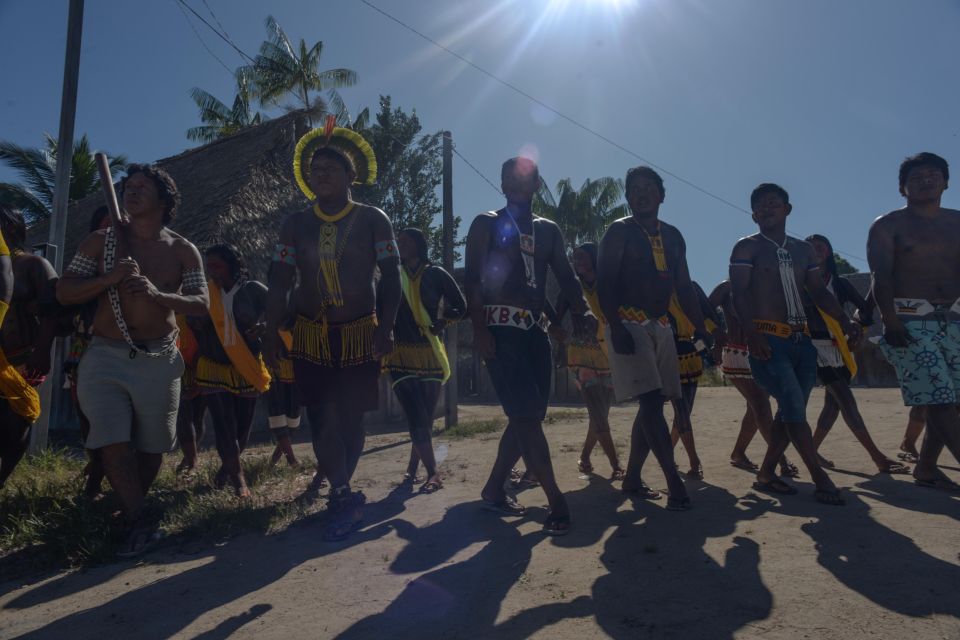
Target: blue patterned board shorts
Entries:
(929, 368)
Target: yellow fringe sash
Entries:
(24, 399)
(216, 375)
(685, 328)
(411, 291)
(327, 249)
(416, 359)
(250, 368)
(311, 341)
(841, 341)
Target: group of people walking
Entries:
(167, 335)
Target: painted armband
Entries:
(285, 253)
(386, 249)
(83, 266)
(193, 279)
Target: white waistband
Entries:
(503, 315)
(919, 307)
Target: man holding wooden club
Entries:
(141, 274)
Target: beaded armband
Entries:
(285, 253)
(193, 279)
(385, 249)
(83, 265)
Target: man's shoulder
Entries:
(371, 213)
(180, 244)
(483, 220)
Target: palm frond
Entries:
(35, 167)
(16, 196)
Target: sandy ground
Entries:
(739, 565)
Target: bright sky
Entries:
(823, 97)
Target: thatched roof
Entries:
(237, 190)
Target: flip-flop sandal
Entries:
(894, 468)
(829, 496)
(679, 504)
(139, 541)
(617, 475)
(943, 484)
(525, 483)
(505, 507)
(906, 456)
(643, 492)
(431, 486)
(778, 487)
(584, 468)
(746, 465)
(790, 471)
(556, 525)
(516, 474)
(695, 473)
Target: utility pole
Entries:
(450, 392)
(51, 390)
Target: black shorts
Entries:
(356, 386)
(829, 375)
(521, 372)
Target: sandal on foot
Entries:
(346, 516)
(411, 479)
(789, 470)
(776, 486)
(526, 482)
(139, 540)
(679, 504)
(696, 473)
(516, 474)
(556, 525)
(617, 475)
(431, 486)
(943, 483)
(893, 468)
(744, 464)
(584, 467)
(907, 456)
(506, 506)
(829, 496)
(643, 491)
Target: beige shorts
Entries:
(653, 364)
(129, 399)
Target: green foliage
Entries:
(218, 119)
(283, 68)
(582, 215)
(409, 170)
(37, 169)
(843, 266)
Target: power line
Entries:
(215, 19)
(202, 42)
(563, 116)
(477, 171)
(214, 29)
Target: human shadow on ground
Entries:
(661, 581)
(166, 607)
(884, 566)
(648, 546)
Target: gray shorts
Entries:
(130, 399)
(653, 364)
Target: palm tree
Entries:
(38, 168)
(582, 215)
(281, 68)
(218, 119)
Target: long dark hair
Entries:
(831, 265)
(14, 226)
(231, 256)
(591, 249)
(420, 239)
